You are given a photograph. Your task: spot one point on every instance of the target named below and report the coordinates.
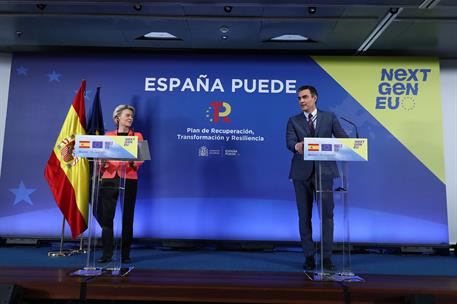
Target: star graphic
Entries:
(21, 70)
(408, 103)
(22, 194)
(86, 94)
(54, 76)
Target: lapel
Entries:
(303, 123)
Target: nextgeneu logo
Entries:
(219, 109)
(398, 87)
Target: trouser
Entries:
(109, 192)
(304, 194)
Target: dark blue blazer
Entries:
(327, 125)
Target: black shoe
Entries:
(310, 263)
(104, 259)
(126, 260)
(328, 264)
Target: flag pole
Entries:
(61, 251)
(81, 242)
(80, 249)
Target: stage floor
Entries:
(288, 259)
(217, 276)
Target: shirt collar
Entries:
(314, 113)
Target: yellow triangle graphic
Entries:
(359, 146)
(403, 94)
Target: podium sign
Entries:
(335, 149)
(106, 147)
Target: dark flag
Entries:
(96, 127)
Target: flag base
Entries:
(61, 253)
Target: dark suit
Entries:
(302, 175)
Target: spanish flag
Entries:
(68, 176)
(313, 147)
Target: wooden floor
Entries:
(53, 284)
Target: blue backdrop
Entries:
(196, 187)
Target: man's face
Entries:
(307, 101)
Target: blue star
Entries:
(54, 76)
(86, 94)
(22, 194)
(21, 70)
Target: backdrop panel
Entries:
(216, 127)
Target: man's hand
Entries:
(299, 147)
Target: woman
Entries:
(109, 190)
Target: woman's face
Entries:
(126, 118)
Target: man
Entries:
(312, 123)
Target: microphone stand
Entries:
(353, 124)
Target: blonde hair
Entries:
(118, 111)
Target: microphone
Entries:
(353, 124)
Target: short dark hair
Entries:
(311, 89)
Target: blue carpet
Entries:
(278, 261)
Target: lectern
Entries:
(99, 149)
(331, 158)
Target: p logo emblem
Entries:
(220, 109)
